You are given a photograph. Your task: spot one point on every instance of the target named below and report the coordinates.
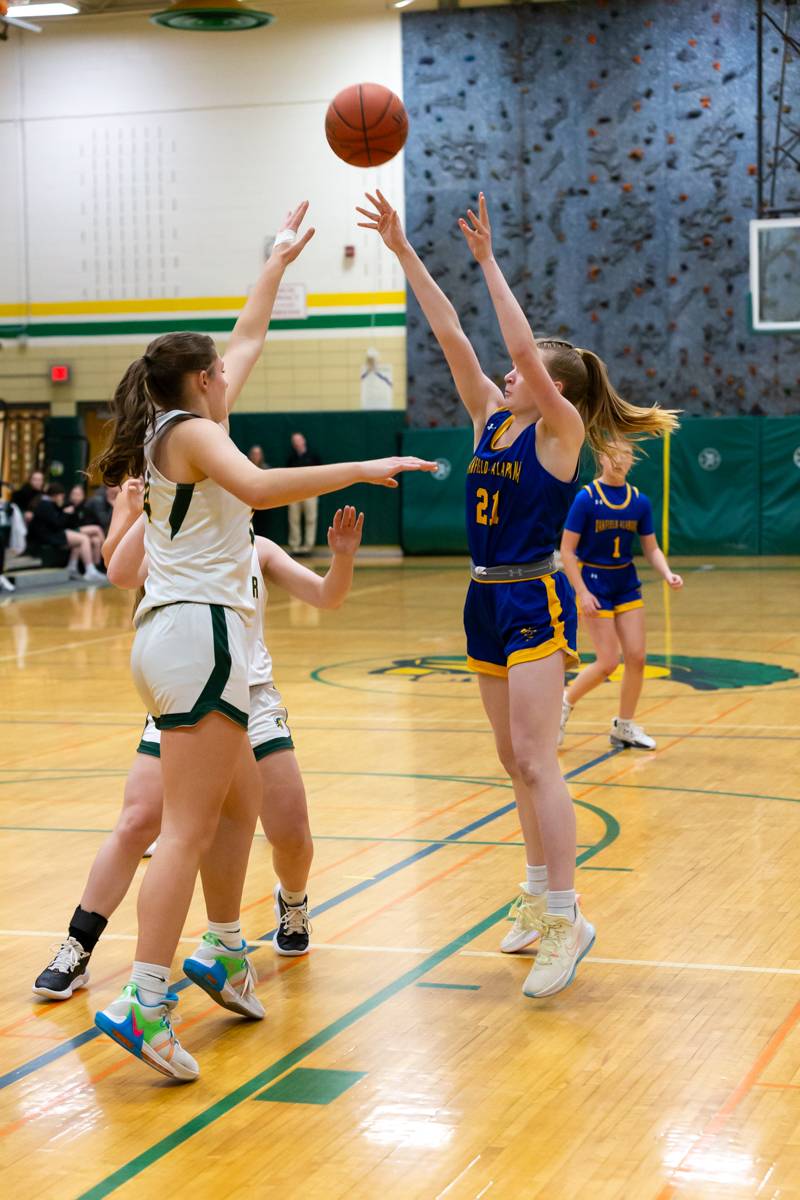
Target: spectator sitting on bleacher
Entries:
(26, 497)
(81, 519)
(49, 530)
(100, 506)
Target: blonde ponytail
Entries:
(606, 416)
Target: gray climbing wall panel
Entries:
(615, 140)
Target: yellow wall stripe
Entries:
(192, 304)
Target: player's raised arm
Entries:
(478, 394)
(559, 416)
(247, 339)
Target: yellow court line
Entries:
(190, 304)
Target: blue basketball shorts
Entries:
(617, 588)
(509, 623)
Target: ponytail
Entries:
(154, 381)
(606, 416)
(134, 414)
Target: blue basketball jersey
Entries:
(607, 518)
(515, 508)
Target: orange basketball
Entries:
(366, 124)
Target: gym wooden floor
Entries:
(404, 1059)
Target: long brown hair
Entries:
(606, 416)
(152, 382)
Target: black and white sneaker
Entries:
(292, 935)
(65, 973)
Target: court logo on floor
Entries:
(700, 674)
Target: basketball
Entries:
(366, 125)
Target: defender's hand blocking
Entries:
(478, 235)
(344, 535)
(383, 470)
(288, 250)
(385, 220)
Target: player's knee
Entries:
(635, 659)
(608, 662)
(534, 769)
(139, 825)
(508, 761)
(294, 840)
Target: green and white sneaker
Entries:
(145, 1030)
(226, 975)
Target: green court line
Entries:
(455, 987)
(653, 787)
(245, 1091)
(626, 869)
(319, 837)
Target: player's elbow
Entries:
(120, 577)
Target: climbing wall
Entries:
(615, 140)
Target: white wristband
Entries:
(285, 235)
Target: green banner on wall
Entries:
(433, 505)
(335, 437)
(734, 487)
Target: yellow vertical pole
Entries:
(665, 505)
(665, 588)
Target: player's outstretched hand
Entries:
(588, 604)
(478, 234)
(344, 535)
(674, 581)
(383, 470)
(286, 248)
(385, 220)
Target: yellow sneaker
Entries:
(564, 943)
(526, 912)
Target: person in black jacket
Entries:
(27, 496)
(49, 530)
(302, 543)
(80, 518)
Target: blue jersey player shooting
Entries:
(520, 616)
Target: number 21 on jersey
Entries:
(481, 511)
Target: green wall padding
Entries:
(64, 443)
(734, 487)
(433, 505)
(715, 492)
(335, 437)
(780, 486)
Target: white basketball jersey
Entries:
(197, 539)
(260, 663)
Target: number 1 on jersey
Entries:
(615, 553)
(483, 504)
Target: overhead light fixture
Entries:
(211, 16)
(402, 3)
(42, 10)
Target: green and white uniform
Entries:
(190, 654)
(267, 728)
